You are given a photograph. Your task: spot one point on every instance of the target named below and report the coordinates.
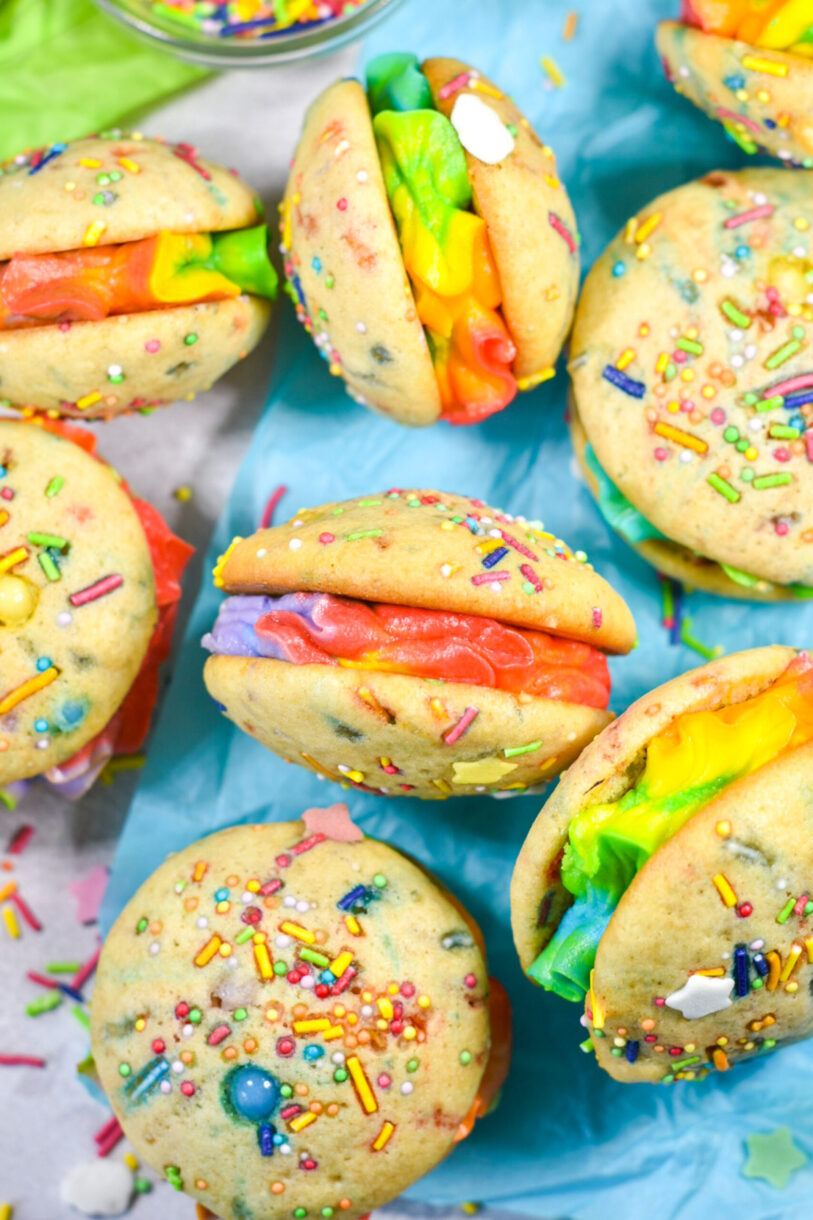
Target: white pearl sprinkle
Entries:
(177, 1067)
(303, 906)
(166, 1087)
(155, 948)
(407, 1087)
(289, 901)
(294, 544)
(282, 941)
(202, 922)
(262, 552)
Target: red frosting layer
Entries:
(436, 644)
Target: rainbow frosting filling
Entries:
(778, 25)
(158, 272)
(320, 629)
(444, 244)
(687, 766)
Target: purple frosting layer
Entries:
(233, 634)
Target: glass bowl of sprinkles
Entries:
(248, 33)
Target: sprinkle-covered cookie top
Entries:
(291, 1020)
(77, 598)
(115, 188)
(434, 550)
(693, 374)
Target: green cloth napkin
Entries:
(68, 70)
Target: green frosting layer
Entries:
(423, 164)
(615, 508)
(242, 256)
(395, 82)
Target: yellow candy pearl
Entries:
(18, 600)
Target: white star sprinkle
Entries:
(701, 995)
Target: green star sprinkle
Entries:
(773, 1157)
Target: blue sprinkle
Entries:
(741, 983)
(742, 251)
(317, 265)
(265, 1135)
(619, 269)
(797, 421)
(359, 894)
(632, 1051)
(734, 82)
(221, 895)
(44, 663)
(41, 726)
(146, 1080)
(635, 389)
(313, 1052)
(54, 152)
(494, 557)
(3, 472)
(278, 1139)
(770, 124)
(800, 399)
(327, 976)
(760, 965)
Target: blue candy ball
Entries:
(254, 1093)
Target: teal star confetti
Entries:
(773, 1157)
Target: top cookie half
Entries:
(693, 372)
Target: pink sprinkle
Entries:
(342, 204)
(218, 1034)
(718, 416)
(64, 327)
(782, 454)
(470, 980)
(453, 86)
(781, 528)
(531, 577)
(106, 1146)
(518, 546)
(407, 990)
(26, 912)
(679, 356)
(487, 578)
(742, 218)
(803, 382)
(188, 1089)
(268, 511)
(84, 972)
(7, 493)
(326, 539)
(561, 228)
(661, 454)
(457, 730)
(659, 1001)
(21, 1061)
(20, 840)
(307, 844)
(270, 887)
(598, 616)
(92, 592)
(107, 1130)
(152, 345)
(809, 444)
(801, 903)
(722, 113)
(282, 861)
(384, 1081)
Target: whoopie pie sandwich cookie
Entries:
(665, 884)
(132, 273)
(415, 643)
(693, 384)
(296, 1020)
(430, 248)
(748, 64)
(89, 586)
